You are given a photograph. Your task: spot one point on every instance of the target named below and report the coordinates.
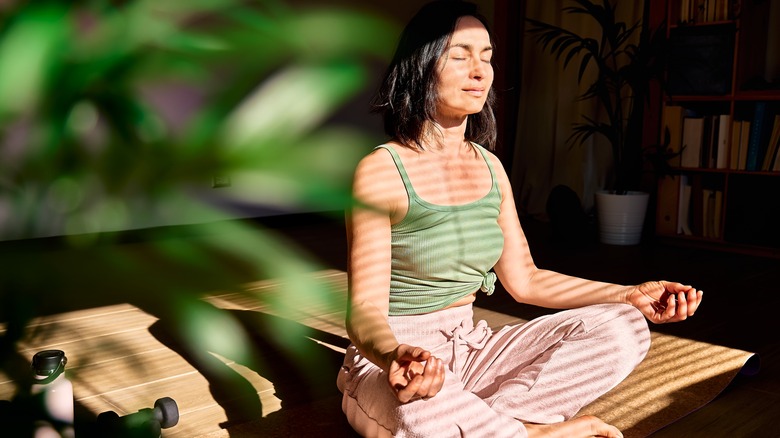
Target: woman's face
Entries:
(465, 72)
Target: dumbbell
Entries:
(146, 423)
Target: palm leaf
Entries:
(563, 43)
(582, 131)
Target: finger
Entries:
(679, 287)
(397, 377)
(438, 382)
(425, 385)
(421, 353)
(434, 379)
(408, 392)
(437, 377)
(429, 373)
(694, 299)
(682, 306)
(416, 354)
(398, 383)
(671, 307)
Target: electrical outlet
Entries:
(220, 181)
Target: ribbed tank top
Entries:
(442, 253)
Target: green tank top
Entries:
(443, 253)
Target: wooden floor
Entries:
(123, 359)
(739, 311)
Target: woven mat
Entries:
(677, 377)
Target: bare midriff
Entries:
(468, 299)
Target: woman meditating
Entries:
(435, 225)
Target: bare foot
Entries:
(585, 426)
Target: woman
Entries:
(436, 214)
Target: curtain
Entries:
(548, 106)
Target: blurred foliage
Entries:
(115, 115)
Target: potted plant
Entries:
(626, 59)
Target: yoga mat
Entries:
(678, 377)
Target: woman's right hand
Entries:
(414, 374)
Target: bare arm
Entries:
(660, 301)
(368, 238)
(411, 371)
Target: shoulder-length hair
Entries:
(407, 96)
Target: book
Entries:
(697, 212)
(772, 58)
(668, 203)
(756, 137)
(710, 10)
(685, 11)
(723, 10)
(776, 165)
(771, 148)
(693, 131)
(699, 11)
(704, 217)
(718, 214)
(707, 139)
(736, 130)
(722, 146)
(709, 212)
(684, 207)
(712, 202)
(672, 122)
(744, 138)
(776, 160)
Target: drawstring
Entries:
(476, 339)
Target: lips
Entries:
(478, 92)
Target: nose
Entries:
(479, 69)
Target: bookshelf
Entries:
(721, 112)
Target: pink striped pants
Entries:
(543, 371)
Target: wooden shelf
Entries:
(744, 218)
(768, 95)
(680, 170)
(700, 98)
(704, 24)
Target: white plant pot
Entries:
(621, 217)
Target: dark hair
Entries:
(407, 96)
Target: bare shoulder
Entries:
(498, 167)
(377, 181)
(495, 162)
(374, 168)
(379, 157)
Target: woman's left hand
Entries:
(664, 301)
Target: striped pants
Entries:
(543, 371)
